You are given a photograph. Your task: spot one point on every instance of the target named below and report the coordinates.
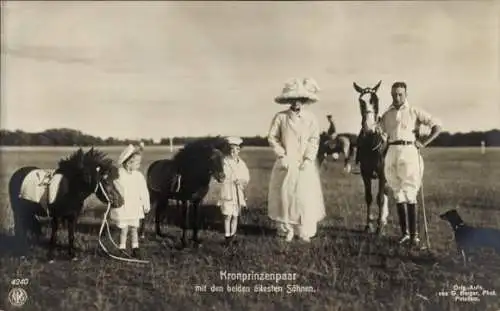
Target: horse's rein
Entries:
(105, 223)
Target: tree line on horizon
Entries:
(71, 137)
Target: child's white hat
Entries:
(125, 155)
(233, 140)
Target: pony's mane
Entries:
(72, 163)
(78, 161)
(95, 157)
(201, 147)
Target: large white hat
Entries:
(129, 150)
(233, 140)
(299, 88)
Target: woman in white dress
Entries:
(295, 199)
(232, 194)
(132, 185)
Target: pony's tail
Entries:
(24, 218)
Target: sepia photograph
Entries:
(250, 155)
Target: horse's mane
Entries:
(94, 158)
(79, 161)
(72, 164)
(201, 147)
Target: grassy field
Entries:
(342, 269)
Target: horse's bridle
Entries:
(98, 169)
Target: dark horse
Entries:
(186, 179)
(328, 146)
(59, 194)
(370, 153)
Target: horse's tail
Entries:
(24, 219)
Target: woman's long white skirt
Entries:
(296, 198)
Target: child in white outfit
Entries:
(232, 197)
(132, 184)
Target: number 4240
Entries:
(17, 282)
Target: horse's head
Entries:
(99, 175)
(203, 156)
(216, 165)
(368, 104)
(220, 148)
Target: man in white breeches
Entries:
(404, 166)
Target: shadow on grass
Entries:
(375, 251)
(11, 246)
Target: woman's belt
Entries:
(401, 142)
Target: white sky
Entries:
(162, 69)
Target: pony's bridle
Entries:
(98, 169)
(376, 126)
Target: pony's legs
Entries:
(382, 202)
(71, 237)
(347, 158)
(195, 222)
(20, 230)
(185, 223)
(160, 215)
(368, 199)
(53, 237)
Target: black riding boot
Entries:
(403, 223)
(413, 219)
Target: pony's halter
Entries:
(98, 182)
(369, 111)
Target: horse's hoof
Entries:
(51, 261)
(74, 258)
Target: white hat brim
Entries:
(287, 97)
(234, 141)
